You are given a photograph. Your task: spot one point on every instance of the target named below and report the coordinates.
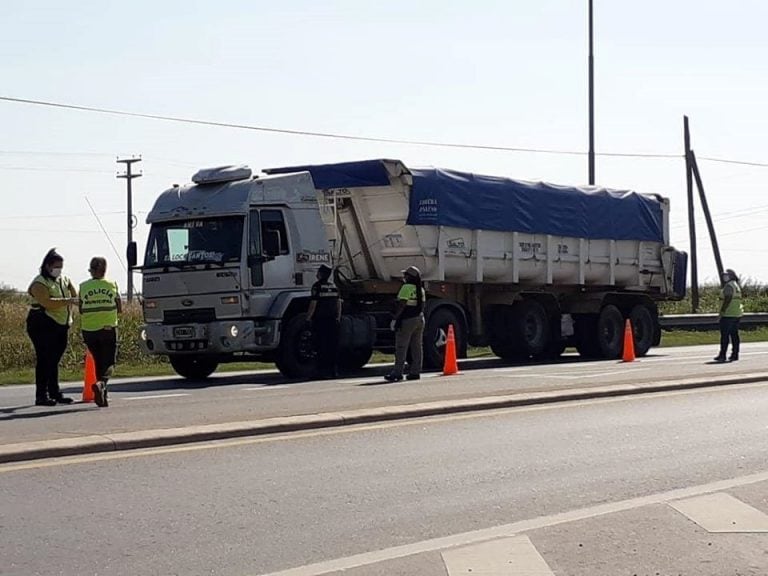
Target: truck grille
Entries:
(198, 316)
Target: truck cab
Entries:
(226, 257)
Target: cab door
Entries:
(270, 259)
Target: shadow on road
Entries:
(9, 413)
(258, 378)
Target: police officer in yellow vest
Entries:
(48, 322)
(99, 307)
(408, 325)
(731, 312)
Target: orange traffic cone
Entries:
(89, 378)
(450, 366)
(629, 343)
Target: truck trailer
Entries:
(527, 268)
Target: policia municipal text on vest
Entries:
(100, 306)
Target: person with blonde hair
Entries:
(100, 306)
(48, 322)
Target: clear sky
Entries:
(507, 73)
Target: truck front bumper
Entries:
(221, 337)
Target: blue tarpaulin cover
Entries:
(343, 175)
(449, 198)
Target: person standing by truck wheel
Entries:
(99, 308)
(408, 325)
(324, 318)
(731, 312)
(48, 326)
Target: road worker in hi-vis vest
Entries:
(100, 306)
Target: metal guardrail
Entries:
(696, 322)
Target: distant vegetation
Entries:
(17, 354)
(755, 299)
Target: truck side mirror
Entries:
(130, 254)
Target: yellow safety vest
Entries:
(57, 288)
(98, 304)
(735, 309)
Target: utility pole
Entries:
(691, 217)
(591, 103)
(130, 219)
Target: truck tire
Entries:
(355, 359)
(505, 351)
(643, 328)
(500, 337)
(530, 329)
(585, 335)
(193, 367)
(295, 357)
(610, 332)
(555, 349)
(436, 335)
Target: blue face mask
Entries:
(55, 272)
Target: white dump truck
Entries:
(525, 268)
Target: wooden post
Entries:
(708, 216)
(691, 218)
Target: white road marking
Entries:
(505, 557)
(722, 513)
(579, 375)
(514, 529)
(154, 396)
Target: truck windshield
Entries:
(209, 240)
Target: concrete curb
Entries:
(184, 435)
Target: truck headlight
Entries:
(143, 335)
(233, 331)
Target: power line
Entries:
(36, 216)
(57, 232)
(42, 169)
(324, 134)
(315, 134)
(51, 153)
(109, 239)
(727, 161)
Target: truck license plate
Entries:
(183, 332)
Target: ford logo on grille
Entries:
(187, 302)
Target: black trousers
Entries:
(102, 345)
(50, 341)
(729, 331)
(325, 335)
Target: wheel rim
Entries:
(531, 328)
(305, 351)
(441, 337)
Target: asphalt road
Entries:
(140, 404)
(266, 505)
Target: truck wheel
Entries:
(436, 335)
(193, 367)
(643, 328)
(555, 349)
(610, 332)
(585, 336)
(530, 328)
(506, 351)
(355, 359)
(295, 357)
